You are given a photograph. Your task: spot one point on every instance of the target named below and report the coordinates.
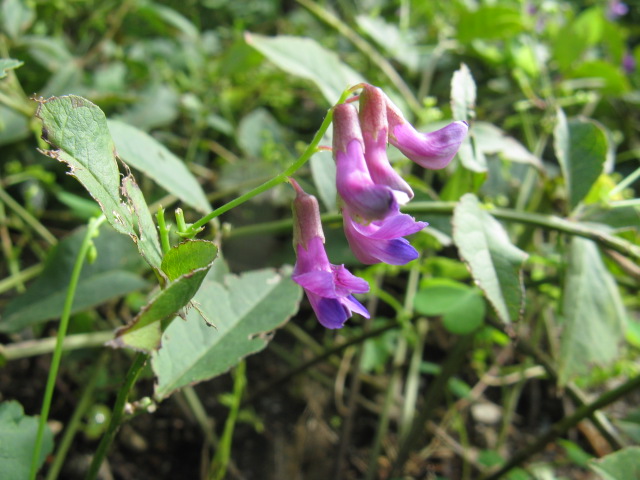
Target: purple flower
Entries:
(616, 9)
(629, 63)
(375, 132)
(432, 150)
(381, 240)
(353, 179)
(329, 288)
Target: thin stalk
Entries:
(85, 402)
(436, 390)
(21, 277)
(92, 230)
(369, 50)
(564, 425)
(117, 414)
(32, 348)
(278, 179)
(220, 461)
(549, 222)
(200, 414)
(27, 217)
(625, 183)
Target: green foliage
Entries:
(17, 437)
(619, 465)
(242, 310)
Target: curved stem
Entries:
(92, 230)
(116, 415)
(278, 179)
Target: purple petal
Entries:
(318, 282)
(381, 171)
(346, 281)
(357, 189)
(355, 306)
(314, 257)
(331, 312)
(430, 150)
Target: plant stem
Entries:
(549, 222)
(74, 422)
(220, 461)
(21, 277)
(278, 179)
(436, 391)
(565, 424)
(92, 230)
(116, 414)
(27, 217)
(31, 348)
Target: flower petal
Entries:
(430, 150)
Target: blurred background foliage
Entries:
(439, 384)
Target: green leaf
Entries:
(621, 465)
(110, 276)
(490, 22)
(8, 64)
(14, 126)
(494, 262)
(463, 94)
(140, 150)
(491, 140)
(243, 309)
(581, 147)
(608, 78)
(17, 440)
(16, 17)
(146, 232)
(78, 130)
(461, 307)
(306, 58)
(594, 315)
(186, 265)
(396, 42)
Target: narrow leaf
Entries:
(186, 266)
(143, 152)
(581, 148)
(244, 309)
(594, 315)
(306, 58)
(463, 94)
(494, 262)
(112, 275)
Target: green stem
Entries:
(92, 230)
(31, 348)
(436, 390)
(74, 423)
(163, 230)
(281, 178)
(27, 217)
(565, 424)
(21, 277)
(117, 414)
(550, 222)
(220, 461)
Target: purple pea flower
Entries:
(329, 288)
(616, 9)
(355, 186)
(432, 150)
(375, 132)
(381, 240)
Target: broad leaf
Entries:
(243, 310)
(621, 465)
(17, 439)
(306, 58)
(461, 307)
(489, 22)
(77, 129)
(186, 265)
(594, 315)
(8, 64)
(494, 262)
(143, 152)
(492, 140)
(581, 148)
(112, 275)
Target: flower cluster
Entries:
(371, 193)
